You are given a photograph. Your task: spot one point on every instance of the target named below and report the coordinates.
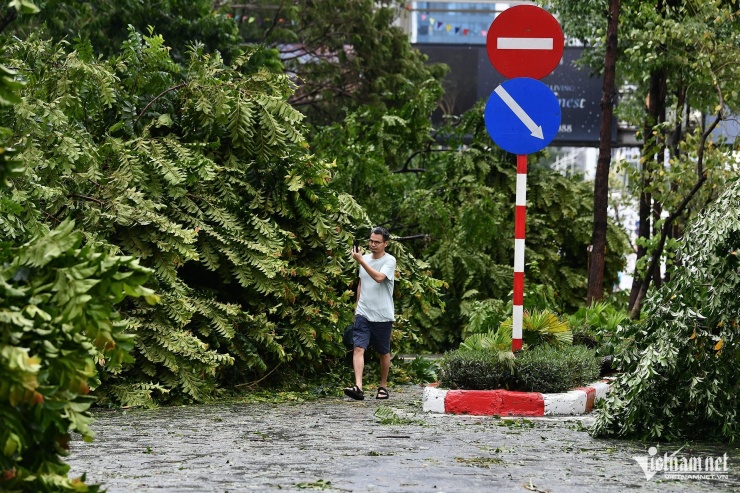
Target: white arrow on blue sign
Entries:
(522, 115)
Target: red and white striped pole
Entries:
(520, 218)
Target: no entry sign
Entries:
(525, 41)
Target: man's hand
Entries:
(357, 254)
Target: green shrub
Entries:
(477, 369)
(57, 323)
(423, 370)
(543, 369)
(547, 369)
(596, 325)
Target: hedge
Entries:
(543, 369)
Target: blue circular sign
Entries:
(522, 115)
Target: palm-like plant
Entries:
(494, 339)
(541, 327)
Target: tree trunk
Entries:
(655, 114)
(657, 212)
(601, 182)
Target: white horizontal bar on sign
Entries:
(524, 43)
(519, 255)
(521, 189)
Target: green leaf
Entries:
(24, 6)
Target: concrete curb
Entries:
(510, 403)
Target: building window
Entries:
(453, 22)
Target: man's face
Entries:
(376, 243)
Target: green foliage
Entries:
(549, 369)
(690, 41)
(542, 369)
(350, 55)
(482, 315)
(58, 325)
(105, 23)
(499, 340)
(388, 416)
(416, 297)
(687, 49)
(203, 173)
(477, 369)
(680, 365)
(199, 173)
(422, 370)
(595, 326)
(539, 328)
(10, 166)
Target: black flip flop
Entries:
(354, 392)
(382, 393)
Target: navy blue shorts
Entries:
(376, 333)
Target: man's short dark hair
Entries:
(379, 230)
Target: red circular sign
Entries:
(525, 41)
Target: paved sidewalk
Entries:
(335, 444)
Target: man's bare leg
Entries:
(358, 363)
(385, 365)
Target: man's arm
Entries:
(375, 274)
(357, 300)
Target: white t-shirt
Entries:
(376, 298)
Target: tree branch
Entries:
(413, 237)
(178, 86)
(254, 383)
(274, 22)
(406, 169)
(85, 197)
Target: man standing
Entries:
(374, 315)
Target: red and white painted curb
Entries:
(511, 403)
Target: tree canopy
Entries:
(343, 54)
(104, 23)
(677, 64)
(202, 172)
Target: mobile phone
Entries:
(356, 246)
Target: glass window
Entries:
(453, 22)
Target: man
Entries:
(374, 314)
